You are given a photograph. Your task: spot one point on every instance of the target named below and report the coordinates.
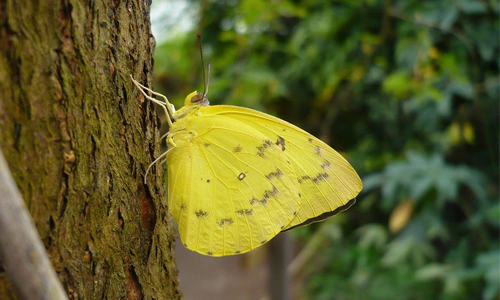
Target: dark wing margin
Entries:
(324, 215)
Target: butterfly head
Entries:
(196, 99)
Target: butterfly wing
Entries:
(328, 183)
(230, 188)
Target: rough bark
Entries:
(77, 137)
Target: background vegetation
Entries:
(408, 91)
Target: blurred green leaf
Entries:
(433, 271)
(493, 214)
(490, 262)
(420, 175)
(373, 235)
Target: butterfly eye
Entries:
(199, 99)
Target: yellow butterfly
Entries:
(237, 177)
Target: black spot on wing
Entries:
(241, 176)
(254, 201)
(237, 148)
(281, 143)
(245, 212)
(319, 151)
(301, 179)
(206, 145)
(316, 179)
(325, 165)
(224, 222)
(262, 148)
(320, 177)
(267, 195)
(260, 151)
(276, 174)
(201, 214)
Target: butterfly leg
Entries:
(167, 106)
(164, 136)
(154, 162)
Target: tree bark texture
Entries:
(78, 137)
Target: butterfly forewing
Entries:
(230, 187)
(328, 183)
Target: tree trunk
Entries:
(78, 136)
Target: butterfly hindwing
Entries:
(328, 184)
(230, 187)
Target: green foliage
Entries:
(408, 91)
(419, 176)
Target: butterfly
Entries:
(237, 177)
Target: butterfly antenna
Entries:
(206, 80)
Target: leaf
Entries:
(397, 252)
(471, 6)
(493, 214)
(490, 263)
(372, 235)
(433, 271)
(401, 215)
